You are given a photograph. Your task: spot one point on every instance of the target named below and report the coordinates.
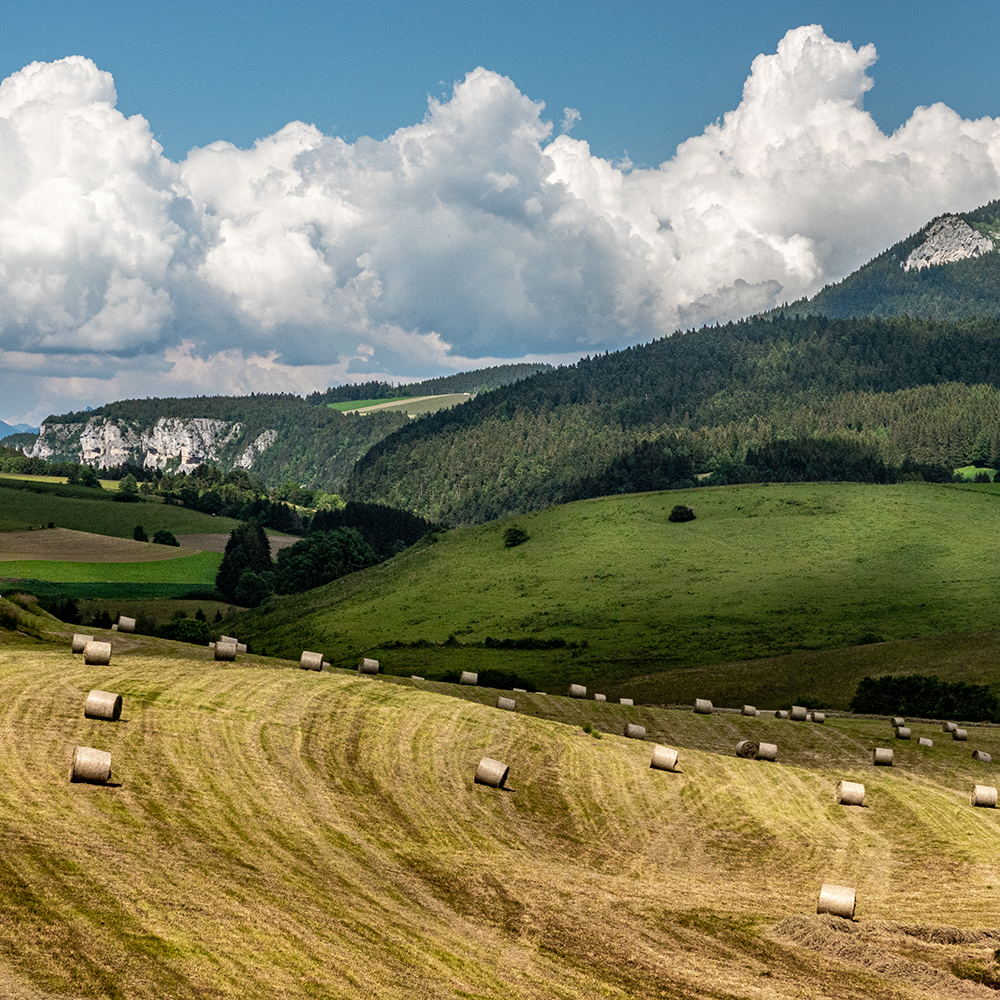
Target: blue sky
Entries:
(644, 74)
(717, 159)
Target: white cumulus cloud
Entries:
(475, 234)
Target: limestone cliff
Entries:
(947, 239)
(171, 443)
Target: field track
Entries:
(278, 833)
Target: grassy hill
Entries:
(27, 504)
(605, 591)
(272, 832)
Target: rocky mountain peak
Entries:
(947, 239)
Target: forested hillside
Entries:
(901, 388)
(958, 290)
(481, 380)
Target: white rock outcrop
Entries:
(181, 444)
(948, 239)
(259, 444)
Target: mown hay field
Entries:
(276, 832)
(763, 571)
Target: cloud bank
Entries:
(473, 236)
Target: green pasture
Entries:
(360, 404)
(197, 570)
(38, 504)
(411, 406)
(969, 472)
(762, 572)
(165, 595)
(108, 484)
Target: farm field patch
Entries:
(198, 569)
(65, 545)
(36, 505)
(319, 835)
(412, 405)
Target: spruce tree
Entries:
(247, 549)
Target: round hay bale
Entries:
(577, 691)
(767, 751)
(326, 666)
(367, 666)
(491, 772)
(634, 732)
(882, 757)
(507, 704)
(748, 710)
(949, 727)
(902, 732)
(211, 645)
(959, 734)
(625, 701)
(310, 661)
(126, 624)
(985, 796)
(897, 721)
(850, 793)
(97, 654)
(819, 717)
(228, 638)
(241, 647)
(747, 749)
(414, 677)
(923, 741)
(90, 765)
(702, 706)
(781, 714)
(600, 697)
(983, 756)
(519, 690)
(114, 628)
(79, 641)
(798, 713)
(836, 899)
(664, 759)
(469, 677)
(225, 650)
(103, 705)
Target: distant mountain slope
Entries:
(6, 430)
(706, 395)
(279, 438)
(967, 286)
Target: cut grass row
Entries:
(275, 832)
(763, 571)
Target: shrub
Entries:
(927, 697)
(128, 491)
(515, 535)
(165, 537)
(681, 513)
(139, 534)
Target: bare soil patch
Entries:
(66, 545)
(217, 542)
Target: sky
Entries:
(221, 198)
